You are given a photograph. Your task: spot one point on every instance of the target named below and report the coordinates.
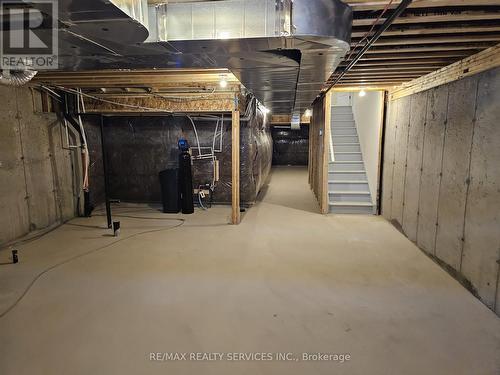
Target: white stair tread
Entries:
(348, 172)
(345, 162)
(347, 182)
(347, 152)
(349, 192)
(347, 204)
(346, 144)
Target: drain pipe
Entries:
(387, 23)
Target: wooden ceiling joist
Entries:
(428, 17)
(418, 56)
(429, 35)
(435, 39)
(402, 68)
(402, 49)
(425, 30)
(154, 104)
(369, 75)
(363, 5)
(480, 62)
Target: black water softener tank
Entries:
(170, 194)
(185, 178)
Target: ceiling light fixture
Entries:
(223, 81)
(362, 93)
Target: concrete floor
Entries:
(285, 280)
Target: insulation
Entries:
(139, 147)
(290, 147)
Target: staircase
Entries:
(348, 189)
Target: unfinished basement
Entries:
(250, 187)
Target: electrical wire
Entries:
(72, 91)
(33, 237)
(371, 29)
(199, 198)
(59, 264)
(183, 98)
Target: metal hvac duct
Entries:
(282, 51)
(14, 78)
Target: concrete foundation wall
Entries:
(442, 177)
(36, 178)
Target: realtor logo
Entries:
(29, 35)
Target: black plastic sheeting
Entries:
(139, 147)
(290, 147)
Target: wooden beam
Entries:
(469, 15)
(391, 41)
(279, 119)
(153, 104)
(419, 55)
(425, 30)
(157, 78)
(347, 88)
(235, 165)
(375, 83)
(325, 204)
(404, 62)
(480, 62)
(398, 68)
(445, 47)
(361, 5)
(370, 75)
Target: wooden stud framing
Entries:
(319, 150)
(429, 32)
(214, 103)
(325, 204)
(287, 119)
(235, 164)
(437, 17)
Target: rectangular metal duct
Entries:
(283, 51)
(230, 19)
(311, 34)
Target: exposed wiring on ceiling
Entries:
(183, 98)
(72, 91)
(171, 98)
(52, 93)
(59, 264)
